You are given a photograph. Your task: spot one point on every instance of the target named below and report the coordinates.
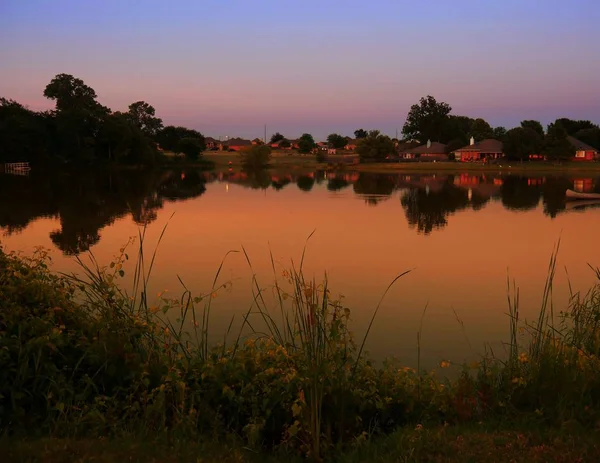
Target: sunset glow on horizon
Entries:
(227, 68)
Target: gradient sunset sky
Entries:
(226, 67)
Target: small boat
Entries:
(582, 205)
(570, 194)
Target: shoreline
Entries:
(279, 161)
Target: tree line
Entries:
(80, 129)
(432, 120)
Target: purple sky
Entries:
(228, 67)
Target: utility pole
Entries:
(265, 139)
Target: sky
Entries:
(228, 67)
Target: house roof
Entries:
(237, 142)
(352, 141)
(489, 145)
(406, 145)
(209, 140)
(435, 148)
(579, 145)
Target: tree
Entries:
(556, 145)
(142, 115)
(499, 133)
(276, 137)
(336, 141)
(285, 143)
(70, 93)
(258, 141)
(375, 147)
(480, 130)
(78, 117)
(191, 147)
(256, 156)
(24, 133)
(572, 127)
(427, 120)
(520, 142)
(457, 128)
(170, 136)
(455, 144)
(534, 125)
(589, 136)
(360, 133)
(306, 143)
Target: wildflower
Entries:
(419, 427)
(523, 357)
(444, 364)
(301, 396)
(213, 295)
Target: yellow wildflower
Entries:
(523, 357)
(444, 364)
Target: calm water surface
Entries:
(461, 235)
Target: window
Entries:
(580, 154)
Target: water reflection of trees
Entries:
(375, 187)
(87, 202)
(337, 183)
(517, 194)
(305, 182)
(427, 210)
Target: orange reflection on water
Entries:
(460, 267)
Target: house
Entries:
(482, 150)
(583, 151)
(211, 143)
(428, 152)
(235, 144)
(351, 144)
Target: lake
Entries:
(461, 235)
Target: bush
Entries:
(256, 156)
(191, 148)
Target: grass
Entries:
(294, 160)
(82, 358)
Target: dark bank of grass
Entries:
(81, 358)
(452, 444)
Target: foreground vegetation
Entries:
(89, 370)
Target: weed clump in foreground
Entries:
(80, 357)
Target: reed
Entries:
(81, 356)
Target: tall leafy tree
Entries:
(78, 115)
(144, 117)
(499, 133)
(534, 125)
(306, 143)
(276, 137)
(170, 136)
(24, 133)
(573, 126)
(480, 130)
(556, 145)
(589, 136)
(336, 141)
(375, 147)
(361, 133)
(521, 142)
(427, 120)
